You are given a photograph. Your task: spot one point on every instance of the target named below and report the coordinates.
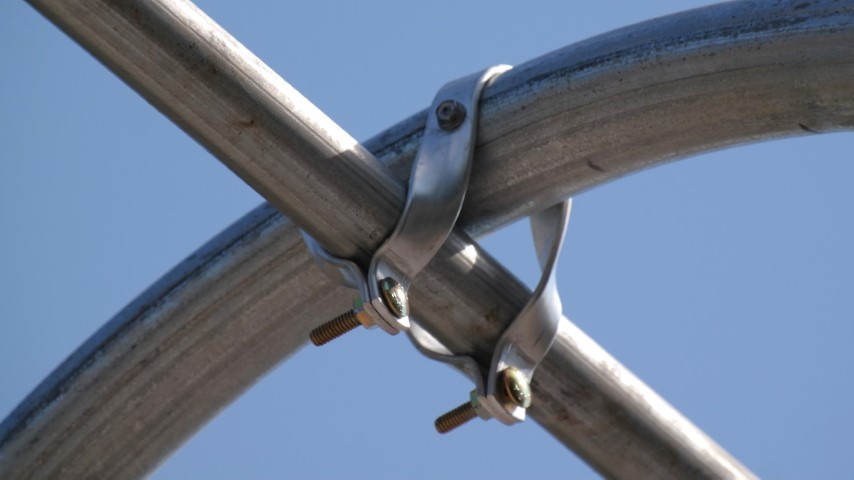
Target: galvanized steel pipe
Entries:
(557, 125)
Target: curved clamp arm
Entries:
(503, 391)
(437, 187)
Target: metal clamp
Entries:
(503, 391)
(437, 187)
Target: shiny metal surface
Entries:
(647, 94)
(374, 312)
(437, 187)
(101, 415)
(562, 123)
(528, 338)
(345, 273)
(341, 271)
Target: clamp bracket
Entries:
(503, 391)
(437, 187)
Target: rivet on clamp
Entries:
(504, 391)
(437, 186)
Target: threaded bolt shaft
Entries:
(334, 328)
(455, 418)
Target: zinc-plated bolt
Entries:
(395, 298)
(455, 418)
(334, 328)
(450, 115)
(517, 391)
(516, 387)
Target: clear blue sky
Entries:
(724, 281)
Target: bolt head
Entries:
(450, 115)
(516, 387)
(395, 297)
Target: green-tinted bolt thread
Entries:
(334, 328)
(455, 418)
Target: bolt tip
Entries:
(334, 328)
(455, 418)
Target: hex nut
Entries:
(361, 314)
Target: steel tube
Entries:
(606, 128)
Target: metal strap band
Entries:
(437, 187)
